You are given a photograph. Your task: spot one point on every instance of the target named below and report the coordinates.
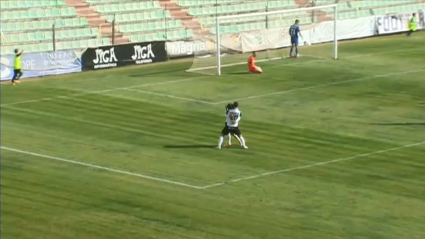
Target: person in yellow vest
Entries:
(17, 71)
(412, 25)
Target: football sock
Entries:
(220, 141)
(242, 140)
(239, 140)
(296, 51)
(290, 52)
(230, 138)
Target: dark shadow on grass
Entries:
(398, 124)
(238, 73)
(193, 146)
(155, 72)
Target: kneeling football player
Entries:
(251, 65)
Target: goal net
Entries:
(233, 38)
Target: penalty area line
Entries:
(100, 167)
(101, 91)
(314, 165)
(319, 86)
(170, 96)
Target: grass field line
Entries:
(211, 185)
(171, 96)
(102, 91)
(321, 59)
(187, 79)
(95, 123)
(314, 165)
(100, 167)
(319, 86)
(274, 93)
(382, 53)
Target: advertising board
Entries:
(123, 55)
(41, 64)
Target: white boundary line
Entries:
(101, 167)
(194, 78)
(136, 86)
(318, 86)
(211, 185)
(313, 165)
(131, 88)
(261, 60)
(95, 123)
(284, 57)
(251, 97)
(273, 93)
(381, 53)
(102, 91)
(171, 96)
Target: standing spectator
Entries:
(412, 25)
(17, 72)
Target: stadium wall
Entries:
(319, 33)
(71, 61)
(394, 23)
(315, 34)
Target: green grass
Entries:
(369, 101)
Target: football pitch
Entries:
(336, 149)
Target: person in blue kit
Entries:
(294, 32)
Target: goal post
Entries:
(234, 36)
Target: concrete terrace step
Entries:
(180, 13)
(94, 19)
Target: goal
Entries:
(232, 38)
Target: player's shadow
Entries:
(238, 73)
(398, 124)
(192, 146)
(147, 73)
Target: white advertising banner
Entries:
(346, 29)
(188, 48)
(422, 18)
(276, 37)
(251, 41)
(314, 33)
(393, 23)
